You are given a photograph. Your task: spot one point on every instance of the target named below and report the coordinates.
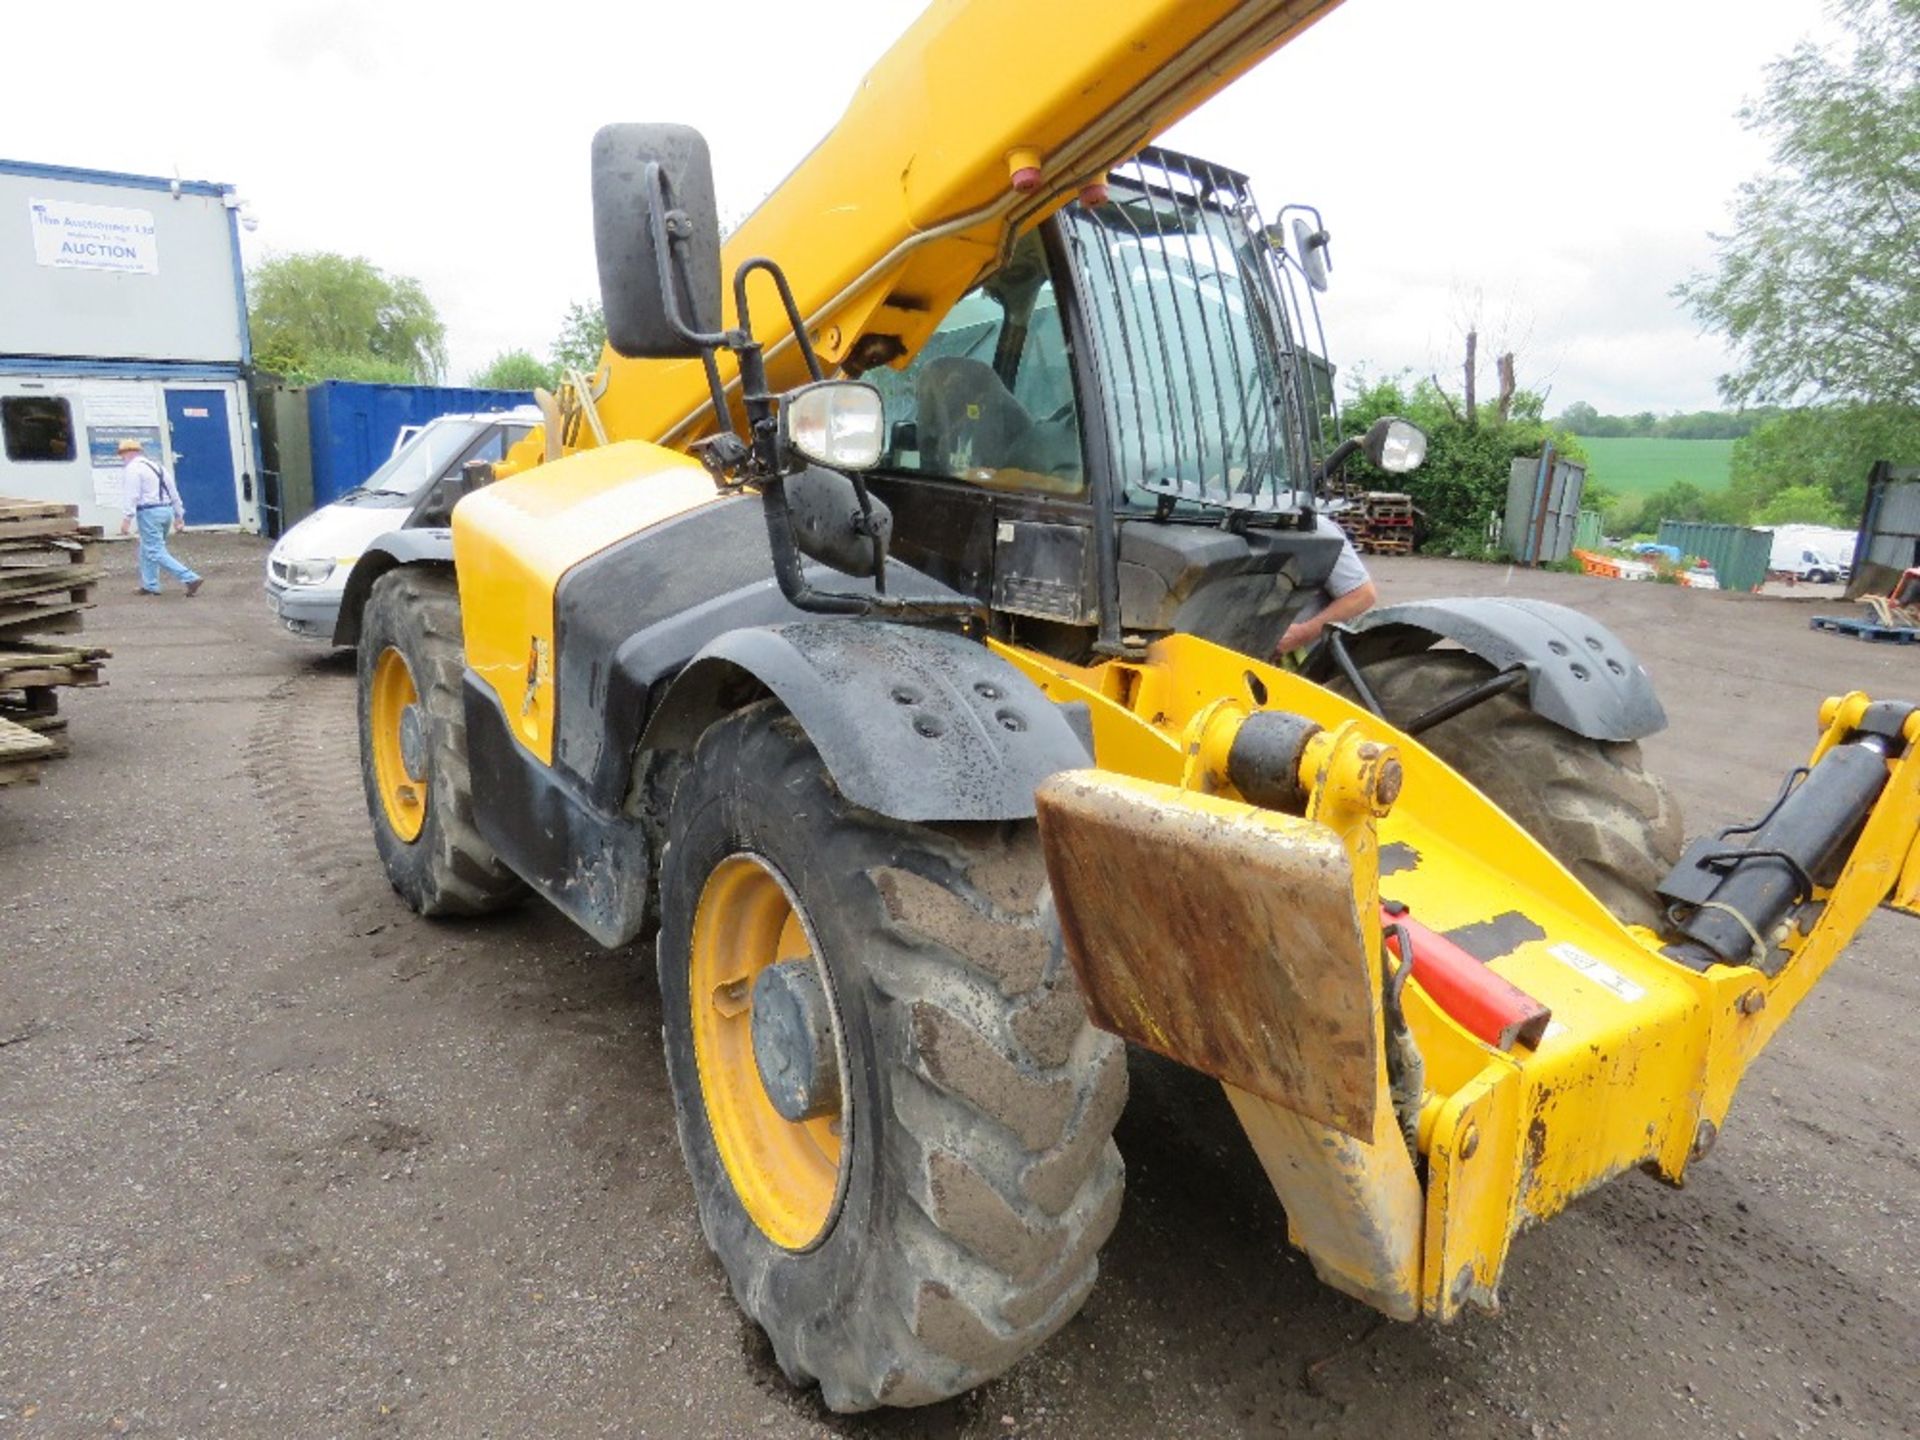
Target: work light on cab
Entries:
(1396, 445)
(840, 423)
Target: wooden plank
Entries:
(19, 743)
(25, 529)
(23, 584)
(50, 549)
(12, 509)
(73, 677)
(40, 620)
(44, 654)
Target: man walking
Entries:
(153, 503)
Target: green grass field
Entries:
(1639, 467)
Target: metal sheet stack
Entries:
(48, 568)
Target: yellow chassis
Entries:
(1247, 943)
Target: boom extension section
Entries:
(1238, 886)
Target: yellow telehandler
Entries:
(893, 665)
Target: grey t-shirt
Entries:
(1348, 573)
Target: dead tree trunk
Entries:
(1505, 366)
(1473, 343)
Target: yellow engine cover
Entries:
(515, 540)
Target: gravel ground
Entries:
(277, 1158)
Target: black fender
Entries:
(913, 723)
(1580, 675)
(396, 547)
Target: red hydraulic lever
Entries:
(1487, 1007)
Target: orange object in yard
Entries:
(1592, 564)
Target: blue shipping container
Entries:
(353, 424)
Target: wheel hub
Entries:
(793, 1045)
(397, 728)
(413, 743)
(768, 1052)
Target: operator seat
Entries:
(971, 428)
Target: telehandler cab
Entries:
(914, 714)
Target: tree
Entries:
(1684, 500)
(1462, 486)
(1800, 505)
(1831, 447)
(583, 335)
(317, 315)
(1816, 286)
(1579, 417)
(515, 370)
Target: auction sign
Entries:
(73, 236)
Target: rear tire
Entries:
(977, 1177)
(443, 867)
(1592, 803)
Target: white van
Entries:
(1818, 554)
(307, 569)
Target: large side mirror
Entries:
(828, 524)
(645, 320)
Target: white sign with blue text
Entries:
(74, 236)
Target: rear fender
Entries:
(1581, 676)
(912, 723)
(396, 547)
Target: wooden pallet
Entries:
(49, 570)
(1867, 630)
(1376, 545)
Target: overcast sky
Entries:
(1550, 168)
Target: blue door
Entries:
(203, 455)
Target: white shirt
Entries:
(142, 483)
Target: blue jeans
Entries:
(154, 522)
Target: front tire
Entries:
(413, 748)
(945, 1216)
(1593, 803)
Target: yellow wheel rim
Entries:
(402, 796)
(787, 1173)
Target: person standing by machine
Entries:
(153, 504)
(1347, 593)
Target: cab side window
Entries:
(988, 400)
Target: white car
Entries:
(307, 569)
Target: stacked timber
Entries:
(49, 565)
(1380, 522)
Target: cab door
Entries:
(985, 467)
